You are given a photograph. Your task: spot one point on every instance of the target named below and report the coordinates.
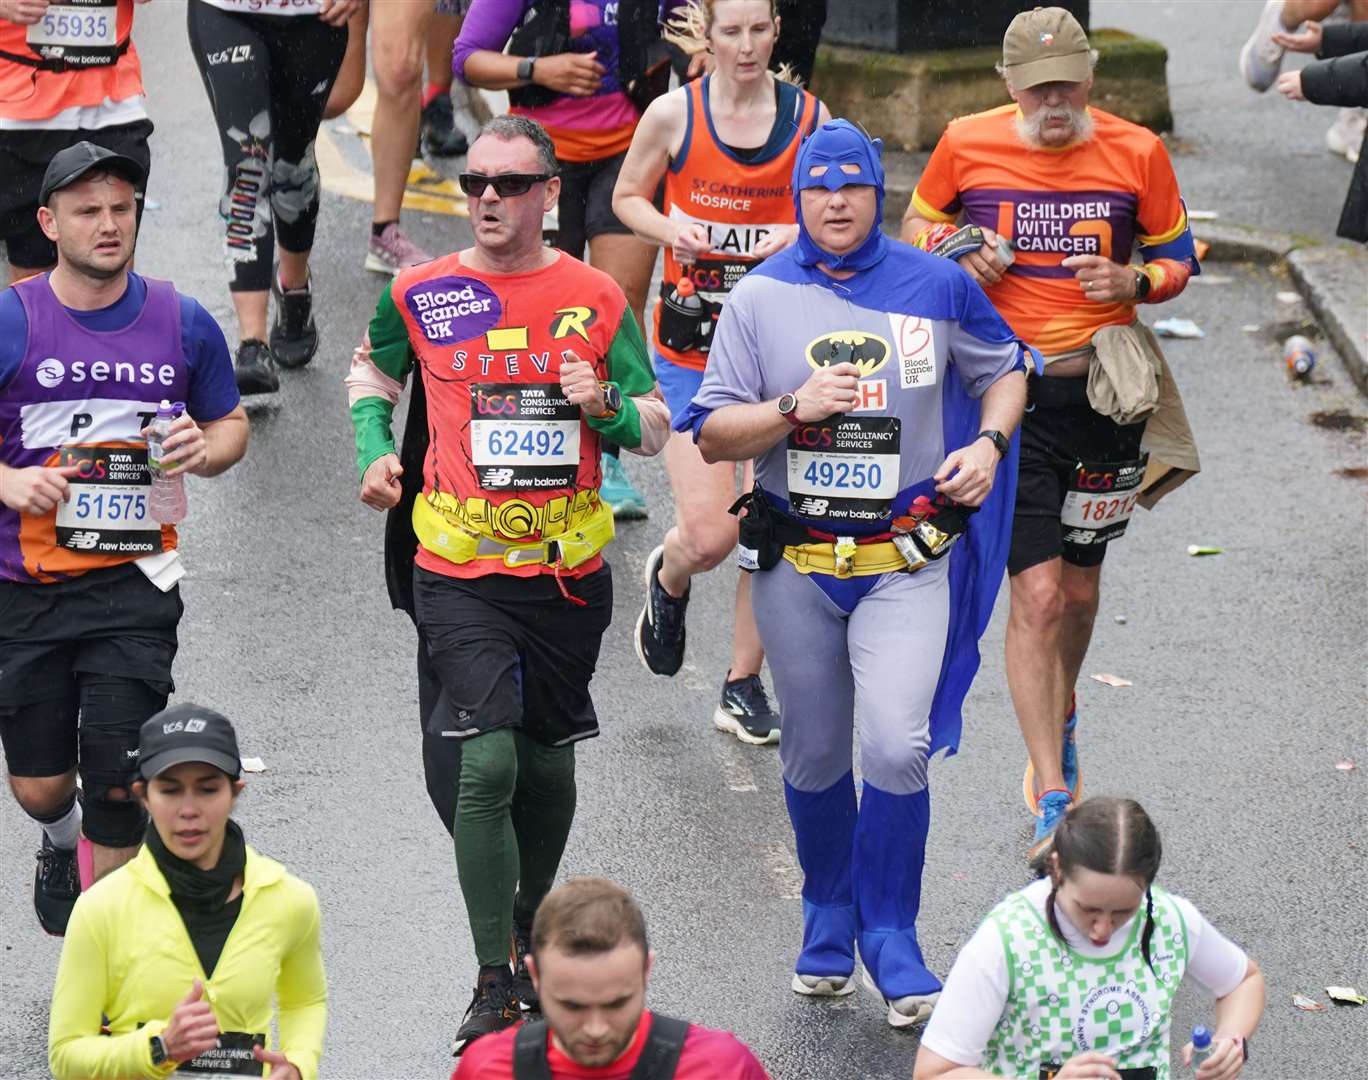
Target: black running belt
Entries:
(659, 1057)
(96, 57)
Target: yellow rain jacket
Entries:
(128, 955)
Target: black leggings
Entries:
(268, 78)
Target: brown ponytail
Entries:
(1108, 836)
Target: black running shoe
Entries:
(492, 1009)
(254, 368)
(523, 990)
(660, 627)
(440, 136)
(294, 337)
(745, 711)
(56, 884)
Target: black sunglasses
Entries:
(506, 184)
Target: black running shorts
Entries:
(512, 652)
(111, 622)
(24, 157)
(1059, 430)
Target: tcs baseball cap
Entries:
(1045, 45)
(184, 733)
(69, 165)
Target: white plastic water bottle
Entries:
(1201, 1046)
(1299, 357)
(166, 501)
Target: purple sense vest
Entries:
(80, 398)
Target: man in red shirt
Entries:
(590, 961)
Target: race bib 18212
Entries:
(1100, 500)
(523, 436)
(844, 469)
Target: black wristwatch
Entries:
(525, 66)
(788, 409)
(998, 439)
(158, 1050)
(1142, 285)
(612, 400)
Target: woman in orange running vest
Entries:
(725, 146)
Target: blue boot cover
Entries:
(890, 848)
(824, 828)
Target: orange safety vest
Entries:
(740, 202)
(79, 53)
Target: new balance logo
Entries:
(83, 541)
(496, 478)
(811, 507)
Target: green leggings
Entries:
(513, 814)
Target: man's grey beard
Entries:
(1028, 130)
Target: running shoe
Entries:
(1053, 805)
(618, 492)
(823, 985)
(745, 711)
(392, 251)
(1261, 59)
(1345, 136)
(254, 368)
(523, 990)
(492, 1009)
(56, 885)
(907, 1011)
(294, 335)
(438, 135)
(660, 626)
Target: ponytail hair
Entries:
(1108, 836)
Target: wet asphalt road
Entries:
(1248, 669)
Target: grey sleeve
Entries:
(982, 346)
(733, 375)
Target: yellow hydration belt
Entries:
(588, 531)
(845, 558)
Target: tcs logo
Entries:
(812, 437)
(496, 404)
(1087, 480)
(91, 468)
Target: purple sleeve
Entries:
(488, 25)
(213, 390)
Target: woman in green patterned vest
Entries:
(1074, 976)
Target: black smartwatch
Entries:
(1142, 285)
(158, 1050)
(525, 66)
(612, 400)
(998, 439)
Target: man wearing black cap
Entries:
(87, 577)
(66, 75)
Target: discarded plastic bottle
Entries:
(682, 322)
(166, 501)
(1299, 357)
(1201, 1046)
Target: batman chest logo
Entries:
(868, 352)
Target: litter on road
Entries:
(1287, 296)
(1178, 328)
(253, 764)
(1306, 1004)
(1198, 549)
(1110, 680)
(1345, 995)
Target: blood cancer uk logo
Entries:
(453, 309)
(866, 351)
(51, 372)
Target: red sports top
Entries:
(708, 1055)
(739, 202)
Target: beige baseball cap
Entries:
(1045, 45)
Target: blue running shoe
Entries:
(1053, 804)
(1068, 760)
(617, 491)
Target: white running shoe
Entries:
(1345, 136)
(823, 985)
(907, 1011)
(1260, 59)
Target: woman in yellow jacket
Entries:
(183, 948)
